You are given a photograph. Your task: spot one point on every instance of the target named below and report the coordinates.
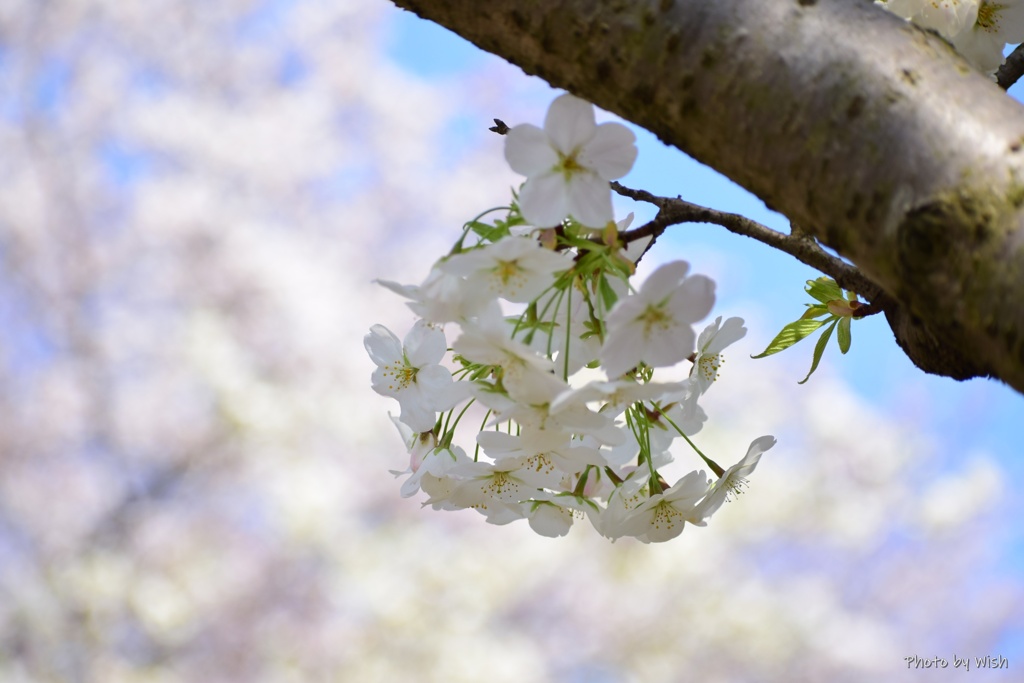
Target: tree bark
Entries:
(869, 133)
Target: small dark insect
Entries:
(499, 127)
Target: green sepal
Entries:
(843, 333)
(824, 289)
(819, 349)
(791, 334)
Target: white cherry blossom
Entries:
(443, 297)
(655, 324)
(712, 340)
(615, 396)
(549, 454)
(662, 516)
(517, 269)
(733, 479)
(568, 164)
(411, 373)
(527, 376)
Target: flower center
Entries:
(403, 374)
(568, 165)
(501, 485)
(510, 275)
(988, 16)
(654, 316)
(709, 365)
(666, 516)
(734, 487)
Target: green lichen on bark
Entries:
(961, 266)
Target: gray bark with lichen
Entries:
(869, 133)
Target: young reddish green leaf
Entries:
(824, 289)
(819, 349)
(841, 308)
(791, 334)
(843, 334)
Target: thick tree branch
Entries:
(872, 135)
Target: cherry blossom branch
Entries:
(798, 244)
(1012, 69)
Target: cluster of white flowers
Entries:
(557, 439)
(978, 29)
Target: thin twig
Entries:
(798, 244)
(1012, 69)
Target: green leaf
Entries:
(824, 289)
(843, 333)
(608, 295)
(813, 311)
(791, 334)
(487, 232)
(819, 349)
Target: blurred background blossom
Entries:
(194, 201)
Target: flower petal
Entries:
(551, 520)
(618, 353)
(424, 345)
(569, 123)
(663, 348)
(433, 381)
(664, 280)
(590, 200)
(528, 151)
(544, 201)
(611, 152)
(731, 331)
(382, 345)
(418, 416)
(694, 299)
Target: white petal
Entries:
(732, 331)
(569, 123)
(424, 345)
(668, 347)
(433, 381)
(1011, 22)
(689, 489)
(528, 151)
(757, 447)
(590, 200)
(498, 444)
(382, 345)
(551, 520)
(408, 291)
(664, 280)
(544, 200)
(982, 49)
(694, 299)
(619, 352)
(708, 334)
(418, 416)
(611, 152)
